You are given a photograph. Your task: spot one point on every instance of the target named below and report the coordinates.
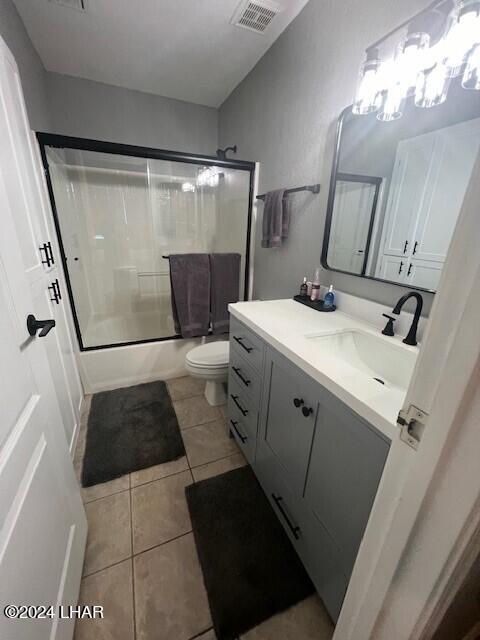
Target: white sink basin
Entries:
(390, 363)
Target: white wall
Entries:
(284, 115)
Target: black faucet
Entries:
(412, 334)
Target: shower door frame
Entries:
(58, 141)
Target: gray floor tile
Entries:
(111, 588)
(208, 442)
(109, 532)
(194, 411)
(220, 466)
(307, 620)
(170, 597)
(158, 471)
(185, 387)
(159, 511)
(208, 635)
(105, 489)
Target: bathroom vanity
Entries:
(313, 401)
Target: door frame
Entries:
(85, 144)
(422, 533)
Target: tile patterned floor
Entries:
(141, 563)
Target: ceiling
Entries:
(184, 49)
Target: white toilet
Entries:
(210, 362)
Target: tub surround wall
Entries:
(284, 115)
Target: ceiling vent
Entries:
(255, 16)
(79, 5)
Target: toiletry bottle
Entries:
(315, 295)
(303, 288)
(329, 301)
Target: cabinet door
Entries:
(424, 273)
(411, 170)
(346, 464)
(286, 432)
(455, 152)
(393, 268)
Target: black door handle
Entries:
(244, 380)
(242, 410)
(298, 402)
(293, 528)
(33, 325)
(307, 411)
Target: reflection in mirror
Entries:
(397, 189)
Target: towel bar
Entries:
(314, 188)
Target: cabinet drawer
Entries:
(241, 432)
(247, 379)
(244, 341)
(241, 407)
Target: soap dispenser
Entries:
(329, 300)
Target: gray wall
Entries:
(29, 64)
(284, 114)
(100, 111)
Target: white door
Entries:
(43, 525)
(20, 166)
(352, 211)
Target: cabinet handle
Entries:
(48, 254)
(239, 340)
(54, 288)
(409, 269)
(244, 380)
(405, 246)
(235, 399)
(293, 528)
(234, 425)
(298, 402)
(415, 248)
(307, 411)
(400, 268)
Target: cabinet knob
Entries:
(307, 411)
(298, 402)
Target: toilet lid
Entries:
(212, 354)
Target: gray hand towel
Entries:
(225, 274)
(190, 285)
(276, 218)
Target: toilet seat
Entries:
(211, 356)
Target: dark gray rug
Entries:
(250, 568)
(130, 429)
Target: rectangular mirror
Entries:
(397, 188)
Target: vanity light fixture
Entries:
(421, 67)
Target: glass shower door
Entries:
(118, 216)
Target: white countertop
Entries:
(285, 325)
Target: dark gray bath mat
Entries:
(130, 429)
(250, 568)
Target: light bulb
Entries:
(188, 187)
(368, 90)
(432, 86)
(462, 35)
(471, 77)
(392, 105)
(409, 59)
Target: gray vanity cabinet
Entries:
(346, 464)
(318, 462)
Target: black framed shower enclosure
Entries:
(67, 144)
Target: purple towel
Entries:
(276, 218)
(190, 285)
(225, 275)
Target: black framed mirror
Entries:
(396, 190)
